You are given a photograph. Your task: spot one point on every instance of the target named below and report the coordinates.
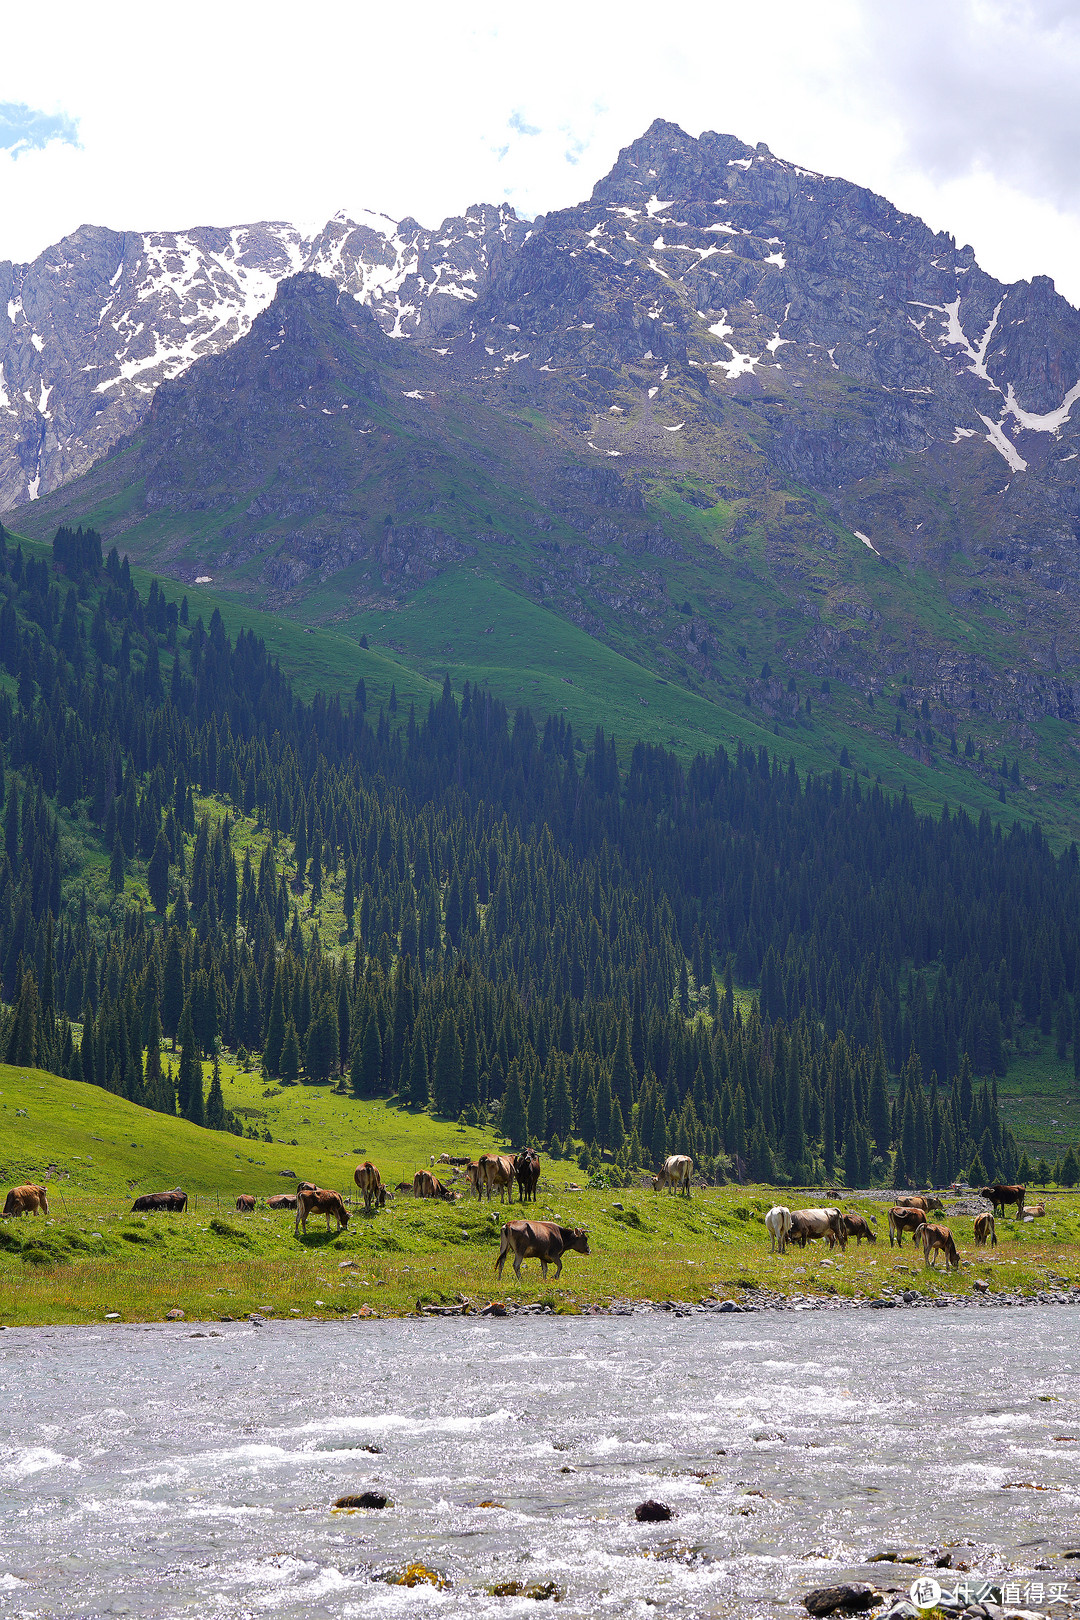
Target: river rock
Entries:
(651, 1512)
(175, 1315)
(851, 1598)
(364, 1499)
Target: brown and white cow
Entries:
(539, 1240)
(173, 1201)
(246, 1203)
(808, 1224)
(675, 1174)
(985, 1229)
(498, 1171)
(527, 1174)
(320, 1201)
(904, 1218)
(30, 1199)
(937, 1239)
(369, 1181)
(425, 1185)
(1035, 1210)
(1001, 1195)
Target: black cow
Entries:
(175, 1201)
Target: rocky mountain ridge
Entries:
(92, 327)
(726, 416)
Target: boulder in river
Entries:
(854, 1597)
(364, 1499)
(651, 1512)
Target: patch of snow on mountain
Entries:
(1002, 445)
(1050, 421)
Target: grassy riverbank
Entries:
(93, 1257)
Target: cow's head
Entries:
(579, 1240)
(987, 1193)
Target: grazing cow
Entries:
(369, 1181)
(425, 1185)
(858, 1227)
(175, 1201)
(997, 1194)
(246, 1203)
(539, 1240)
(475, 1177)
(26, 1200)
(936, 1238)
(778, 1225)
(498, 1171)
(319, 1201)
(904, 1218)
(527, 1174)
(984, 1228)
(675, 1174)
(281, 1201)
(928, 1201)
(808, 1224)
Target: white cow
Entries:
(675, 1174)
(778, 1225)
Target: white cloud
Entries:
(245, 114)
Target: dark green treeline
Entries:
(529, 928)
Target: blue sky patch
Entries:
(25, 129)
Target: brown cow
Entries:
(929, 1201)
(997, 1194)
(319, 1201)
(527, 1174)
(474, 1176)
(984, 1228)
(425, 1185)
(246, 1203)
(935, 1238)
(174, 1202)
(904, 1218)
(281, 1201)
(498, 1171)
(808, 1224)
(1035, 1209)
(539, 1240)
(26, 1200)
(369, 1181)
(858, 1227)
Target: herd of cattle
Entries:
(547, 1241)
(911, 1213)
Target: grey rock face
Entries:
(91, 328)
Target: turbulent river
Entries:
(145, 1471)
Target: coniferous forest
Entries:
(788, 978)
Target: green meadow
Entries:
(92, 1258)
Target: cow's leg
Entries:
(517, 1266)
(558, 1268)
(543, 1270)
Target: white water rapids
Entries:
(144, 1471)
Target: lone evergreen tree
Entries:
(216, 1119)
(514, 1121)
(446, 1081)
(537, 1107)
(157, 874)
(289, 1067)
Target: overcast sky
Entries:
(966, 112)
